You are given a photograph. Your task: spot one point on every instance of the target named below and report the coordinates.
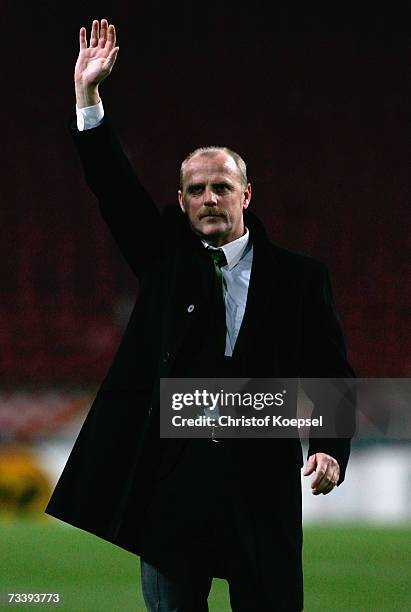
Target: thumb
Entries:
(311, 465)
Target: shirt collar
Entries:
(234, 250)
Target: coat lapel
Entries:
(260, 306)
(190, 280)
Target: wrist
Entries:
(86, 95)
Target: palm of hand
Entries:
(90, 65)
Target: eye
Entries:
(221, 188)
(195, 189)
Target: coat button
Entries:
(190, 308)
(166, 357)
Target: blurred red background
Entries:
(316, 103)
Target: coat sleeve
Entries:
(130, 213)
(324, 357)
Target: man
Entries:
(194, 509)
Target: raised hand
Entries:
(94, 62)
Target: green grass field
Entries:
(347, 568)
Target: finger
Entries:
(103, 33)
(83, 39)
(329, 478)
(336, 475)
(324, 484)
(94, 34)
(328, 489)
(110, 61)
(310, 467)
(320, 474)
(111, 36)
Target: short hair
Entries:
(212, 150)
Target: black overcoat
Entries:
(290, 329)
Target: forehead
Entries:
(204, 166)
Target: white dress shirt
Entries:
(236, 279)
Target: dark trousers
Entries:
(217, 512)
(189, 591)
(201, 524)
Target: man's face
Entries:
(214, 197)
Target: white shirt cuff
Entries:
(90, 116)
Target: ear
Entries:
(181, 200)
(247, 195)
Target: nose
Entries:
(210, 198)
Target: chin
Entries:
(210, 227)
